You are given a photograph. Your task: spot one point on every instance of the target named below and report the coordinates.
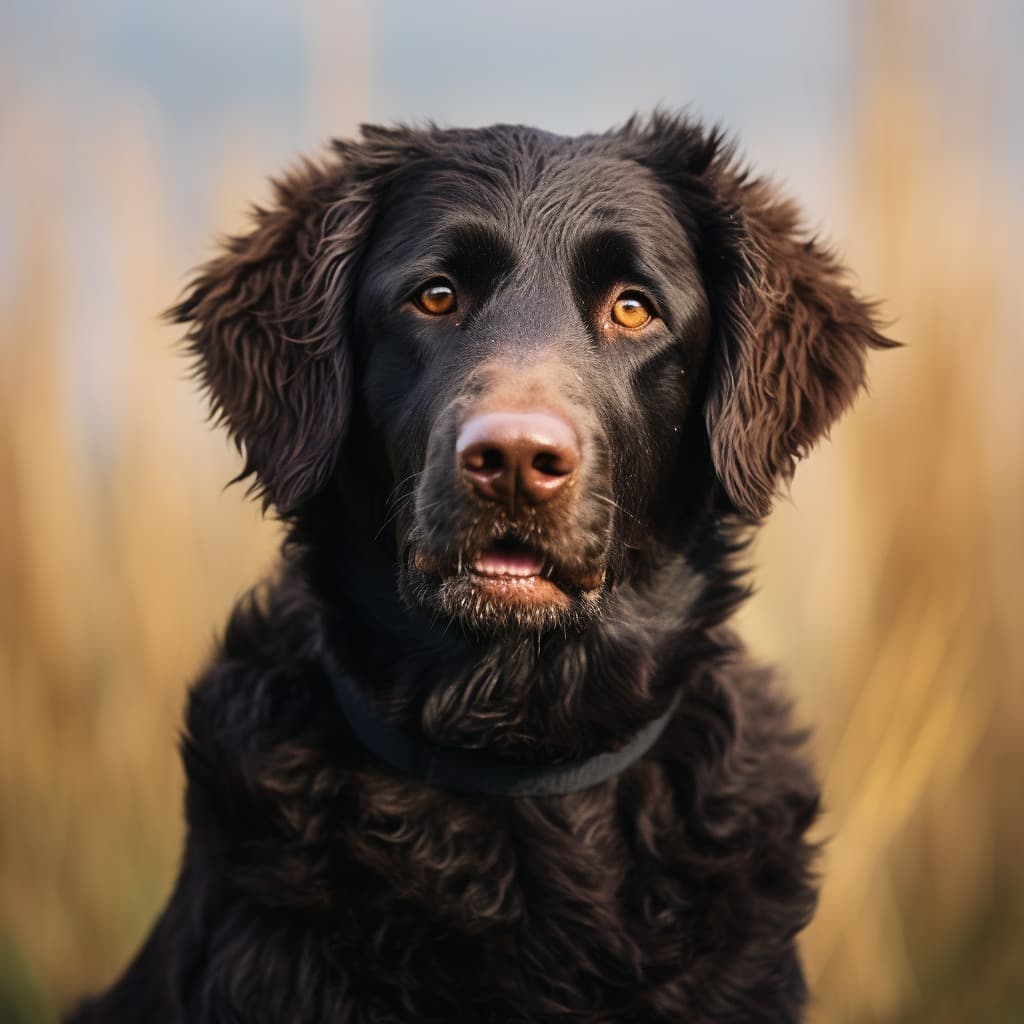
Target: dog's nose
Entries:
(518, 455)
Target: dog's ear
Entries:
(269, 318)
(792, 336)
(789, 335)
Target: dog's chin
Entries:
(504, 591)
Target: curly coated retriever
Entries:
(486, 749)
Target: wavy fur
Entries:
(317, 886)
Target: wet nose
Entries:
(510, 456)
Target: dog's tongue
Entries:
(509, 561)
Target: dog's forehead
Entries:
(534, 186)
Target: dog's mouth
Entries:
(516, 573)
(510, 560)
(509, 573)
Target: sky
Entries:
(210, 77)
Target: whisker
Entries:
(399, 509)
(615, 504)
(392, 516)
(396, 501)
(405, 480)
(395, 494)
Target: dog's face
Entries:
(530, 345)
(546, 345)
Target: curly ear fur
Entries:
(792, 345)
(269, 318)
(789, 335)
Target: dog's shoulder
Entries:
(260, 745)
(738, 754)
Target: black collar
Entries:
(477, 772)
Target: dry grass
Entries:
(117, 569)
(890, 590)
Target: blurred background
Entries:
(891, 584)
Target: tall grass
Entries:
(117, 568)
(890, 590)
(893, 586)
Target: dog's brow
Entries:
(654, 259)
(606, 253)
(609, 255)
(472, 251)
(474, 240)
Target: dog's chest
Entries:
(473, 907)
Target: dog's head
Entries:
(547, 354)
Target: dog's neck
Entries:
(481, 771)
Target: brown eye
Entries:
(436, 298)
(631, 311)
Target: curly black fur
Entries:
(315, 884)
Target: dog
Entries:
(486, 748)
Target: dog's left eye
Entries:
(632, 311)
(436, 298)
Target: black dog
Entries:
(485, 750)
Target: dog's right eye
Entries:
(436, 298)
(632, 311)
